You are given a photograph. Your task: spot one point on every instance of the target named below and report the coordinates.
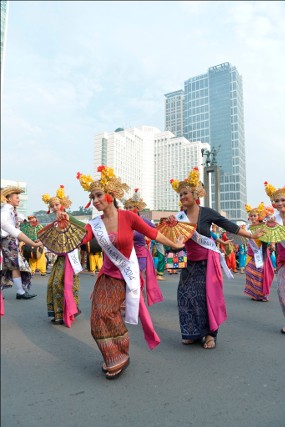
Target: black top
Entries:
(208, 216)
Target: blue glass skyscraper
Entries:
(214, 113)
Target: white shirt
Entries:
(8, 221)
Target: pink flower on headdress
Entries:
(171, 181)
(61, 186)
(78, 175)
(136, 190)
(195, 169)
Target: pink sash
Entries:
(69, 306)
(268, 274)
(154, 296)
(2, 309)
(153, 292)
(216, 304)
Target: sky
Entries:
(77, 68)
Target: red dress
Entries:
(107, 326)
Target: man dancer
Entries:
(15, 270)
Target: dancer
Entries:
(277, 197)
(241, 258)
(201, 302)
(63, 285)
(37, 259)
(15, 269)
(259, 271)
(136, 204)
(119, 278)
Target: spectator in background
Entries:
(15, 269)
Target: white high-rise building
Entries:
(174, 158)
(147, 158)
(131, 153)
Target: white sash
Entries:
(257, 253)
(74, 261)
(128, 267)
(206, 243)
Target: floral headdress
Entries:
(136, 201)
(59, 197)
(193, 182)
(109, 183)
(273, 192)
(261, 210)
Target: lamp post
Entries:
(211, 168)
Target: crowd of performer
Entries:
(129, 255)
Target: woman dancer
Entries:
(119, 278)
(277, 197)
(200, 296)
(63, 284)
(259, 271)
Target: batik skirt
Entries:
(254, 282)
(55, 289)
(192, 302)
(107, 325)
(13, 260)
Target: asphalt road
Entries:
(51, 375)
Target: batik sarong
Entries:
(192, 301)
(13, 260)
(107, 326)
(55, 289)
(259, 280)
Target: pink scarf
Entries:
(69, 306)
(153, 292)
(216, 305)
(2, 309)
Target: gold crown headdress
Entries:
(273, 192)
(262, 210)
(135, 201)
(59, 197)
(192, 181)
(108, 183)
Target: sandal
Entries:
(188, 342)
(283, 330)
(57, 321)
(209, 342)
(104, 368)
(112, 375)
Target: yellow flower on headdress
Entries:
(194, 177)
(85, 180)
(274, 192)
(175, 184)
(261, 210)
(46, 198)
(108, 182)
(193, 182)
(60, 196)
(269, 189)
(60, 192)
